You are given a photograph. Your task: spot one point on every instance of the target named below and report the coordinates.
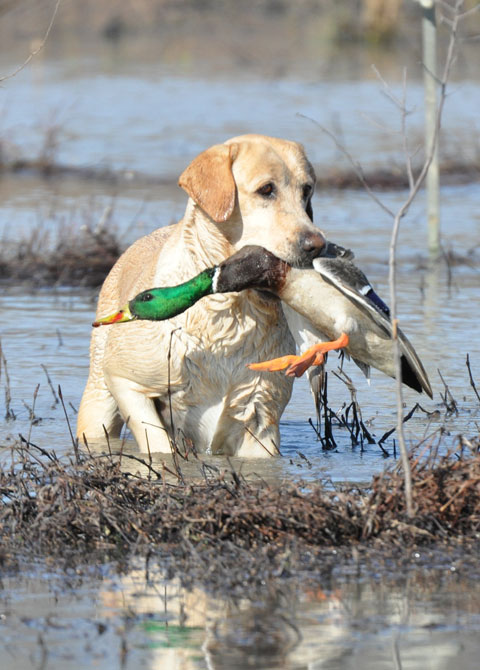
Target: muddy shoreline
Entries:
(246, 573)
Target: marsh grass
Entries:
(89, 508)
(74, 256)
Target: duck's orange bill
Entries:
(119, 317)
(297, 365)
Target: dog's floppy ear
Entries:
(209, 181)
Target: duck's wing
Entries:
(352, 282)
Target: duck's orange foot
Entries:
(297, 365)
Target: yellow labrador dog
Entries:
(185, 378)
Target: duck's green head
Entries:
(157, 304)
(251, 267)
(149, 305)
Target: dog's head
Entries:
(258, 190)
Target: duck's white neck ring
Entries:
(215, 278)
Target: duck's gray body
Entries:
(334, 297)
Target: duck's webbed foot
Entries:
(297, 365)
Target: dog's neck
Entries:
(205, 245)
(203, 239)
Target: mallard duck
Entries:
(333, 302)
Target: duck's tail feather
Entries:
(408, 375)
(413, 372)
(364, 367)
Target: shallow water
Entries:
(151, 117)
(427, 618)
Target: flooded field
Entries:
(141, 115)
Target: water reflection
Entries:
(422, 620)
(428, 618)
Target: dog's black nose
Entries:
(313, 244)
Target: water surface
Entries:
(52, 329)
(425, 618)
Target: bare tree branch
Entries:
(355, 165)
(35, 51)
(414, 187)
(450, 57)
(401, 105)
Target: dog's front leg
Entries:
(251, 430)
(261, 445)
(139, 412)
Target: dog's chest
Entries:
(226, 333)
(202, 352)
(231, 324)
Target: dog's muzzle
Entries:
(312, 245)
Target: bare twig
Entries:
(51, 456)
(415, 183)
(107, 438)
(355, 164)
(33, 419)
(448, 399)
(36, 51)
(173, 443)
(261, 443)
(401, 105)
(74, 441)
(9, 413)
(472, 383)
(149, 467)
(49, 381)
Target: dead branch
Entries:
(36, 51)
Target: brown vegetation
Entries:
(91, 508)
(77, 258)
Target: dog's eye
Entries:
(146, 297)
(306, 191)
(267, 190)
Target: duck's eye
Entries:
(307, 190)
(146, 297)
(267, 190)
